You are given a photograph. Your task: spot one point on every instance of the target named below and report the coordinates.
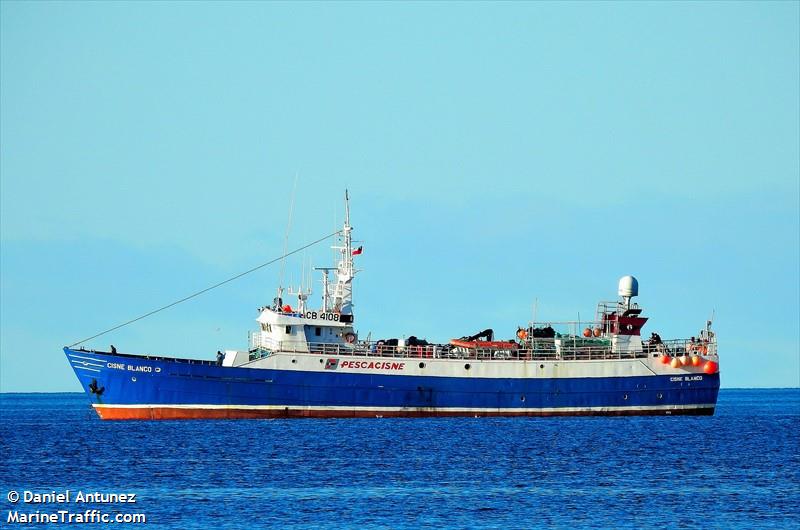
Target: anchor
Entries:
(93, 388)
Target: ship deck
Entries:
(565, 349)
(558, 349)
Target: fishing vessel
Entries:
(310, 362)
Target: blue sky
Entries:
(496, 153)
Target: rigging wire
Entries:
(198, 293)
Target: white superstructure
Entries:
(614, 335)
(282, 326)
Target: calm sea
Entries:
(737, 469)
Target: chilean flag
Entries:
(358, 251)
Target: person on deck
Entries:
(220, 356)
(655, 339)
(113, 350)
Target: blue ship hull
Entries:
(138, 387)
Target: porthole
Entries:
(133, 379)
(541, 366)
(467, 366)
(522, 398)
(422, 365)
(294, 361)
(320, 361)
(625, 397)
(660, 395)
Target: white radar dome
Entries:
(628, 286)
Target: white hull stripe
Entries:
(99, 362)
(84, 368)
(391, 409)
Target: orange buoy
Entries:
(665, 359)
(711, 367)
(685, 360)
(597, 332)
(587, 332)
(676, 363)
(696, 360)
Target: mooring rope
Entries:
(198, 293)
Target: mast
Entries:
(326, 293)
(347, 252)
(326, 287)
(345, 271)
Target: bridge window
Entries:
(288, 330)
(317, 331)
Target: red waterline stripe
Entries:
(170, 413)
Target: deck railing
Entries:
(561, 348)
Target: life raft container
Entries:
(484, 344)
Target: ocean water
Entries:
(737, 469)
